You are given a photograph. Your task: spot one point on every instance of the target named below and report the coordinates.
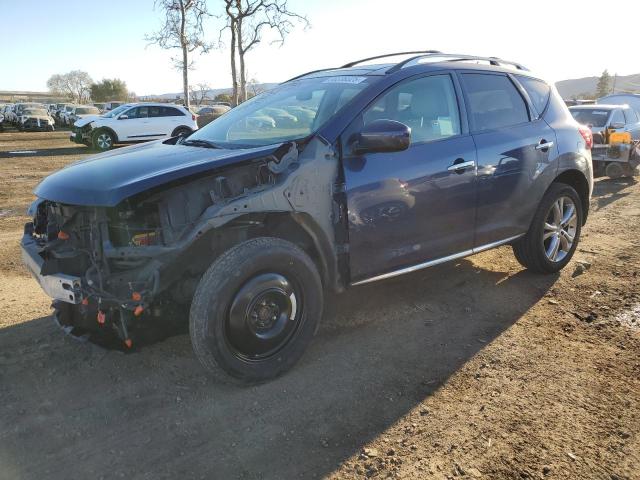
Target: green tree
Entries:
(109, 89)
(223, 97)
(604, 84)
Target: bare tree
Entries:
(199, 93)
(247, 21)
(75, 85)
(182, 28)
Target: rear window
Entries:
(538, 92)
(591, 117)
(494, 101)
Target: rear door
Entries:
(411, 207)
(515, 148)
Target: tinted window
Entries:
(630, 115)
(155, 111)
(138, 112)
(428, 105)
(171, 112)
(617, 117)
(494, 101)
(538, 92)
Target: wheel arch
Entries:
(179, 128)
(577, 180)
(108, 129)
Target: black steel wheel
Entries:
(255, 310)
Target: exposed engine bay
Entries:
(119, 271)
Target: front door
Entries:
(413, 206)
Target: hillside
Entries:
(578, 86)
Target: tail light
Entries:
(587, 135)
(193, 116)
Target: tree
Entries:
(199, 93)
(182, 28)
(223, 97)
(75, 85)
(604, 84)
(109, 89)
(247, 20)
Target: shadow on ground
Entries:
(608, 190)
(72, 410)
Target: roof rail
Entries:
(452, 57)
(424, 52)
(417, 55)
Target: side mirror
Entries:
(617, 125)
(382, 136)
(123, 117)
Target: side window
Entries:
(617, 117)
(494, 101)
(171, 112)
(538, 92)
(155, 112)
(206, 111)
(132, 112)
(630, 115)
(428, 105)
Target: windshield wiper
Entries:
(199, 143)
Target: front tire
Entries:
(255, 310)
(554, 232)
(103, 140)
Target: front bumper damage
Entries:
(81, 135)
(130, 271)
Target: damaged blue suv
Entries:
(335, 178)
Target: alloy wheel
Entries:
(104, 141)
(560, 229)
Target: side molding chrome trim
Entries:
(437, 261)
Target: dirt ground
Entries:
(474, 369)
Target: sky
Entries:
(106, 39)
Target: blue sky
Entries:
(106, 39)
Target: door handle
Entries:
(544, 145)
(460, 165)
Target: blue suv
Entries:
(335, 178)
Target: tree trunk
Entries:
(185, 76)
(243, 72)
(185, 54)
(234, 71)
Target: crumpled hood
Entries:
(85, 119)
(108, 178)
(38, 117)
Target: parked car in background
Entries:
(20, 107)
(209, 113)
(99, 106)
(82, 111)
(601, 118)
(108, 106)
(631, 99)
(35, 119)
(251, 227)
(9, 114)
(65, 114)
(134, 122)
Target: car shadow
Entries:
(75, 410)
(46, 152)
(609, 190)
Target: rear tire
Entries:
(614, 170)
(255, 310)
(181, 131)
(554, 232)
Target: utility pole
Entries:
(615, 76)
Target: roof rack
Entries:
(421, 52)
(418, 55)
(453, 57)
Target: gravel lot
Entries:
(474, 369)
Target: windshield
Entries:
(592, 117)
(116, 111)
(87, 110)
(290, 111)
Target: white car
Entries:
(134, 122)
(65, 114)
(82, 111)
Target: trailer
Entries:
(616, 160)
